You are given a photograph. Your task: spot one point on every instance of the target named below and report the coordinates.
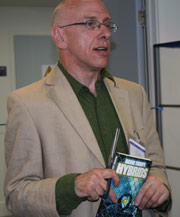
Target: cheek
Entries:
(74, 43)
(83, 40)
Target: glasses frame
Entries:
(111, 26)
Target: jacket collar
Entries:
(120, 99)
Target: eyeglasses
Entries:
(94, 25)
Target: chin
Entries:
(101, 65)
(98, 68)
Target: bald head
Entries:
(78, 46)
(67, 8)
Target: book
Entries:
(132, 172)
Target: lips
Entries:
(102, 51)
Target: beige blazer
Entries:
(48, 136)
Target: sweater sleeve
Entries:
(66, 198)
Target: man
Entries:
(60, 129)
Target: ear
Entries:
(59, 37)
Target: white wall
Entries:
(162, 19)
(168, 17)
(15, 21)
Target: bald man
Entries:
(60, 129)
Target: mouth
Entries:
(102, 50)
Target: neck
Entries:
(85, 76)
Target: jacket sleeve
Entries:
(154, 150)
(27, 192)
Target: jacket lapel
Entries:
(121, 103)
(68, 103)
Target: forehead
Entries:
(88, 9)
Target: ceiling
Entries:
(30, 3)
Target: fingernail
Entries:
(136, 204)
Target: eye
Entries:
(91, 24)
(108, 25)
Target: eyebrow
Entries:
(95, 18)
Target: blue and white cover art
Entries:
(132, 172)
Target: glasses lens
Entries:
(92, 24)
(113, 27)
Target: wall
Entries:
(168, 17)
(15, 21)
(162, 20)
(124, 59)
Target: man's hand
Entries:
(152, 194)
(93, 184)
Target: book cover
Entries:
(132, 172)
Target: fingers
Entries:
(113, 196)
(90, 185)
(93, 184)
(152, 194)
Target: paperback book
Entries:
(132, 172)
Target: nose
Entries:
(105, 32)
